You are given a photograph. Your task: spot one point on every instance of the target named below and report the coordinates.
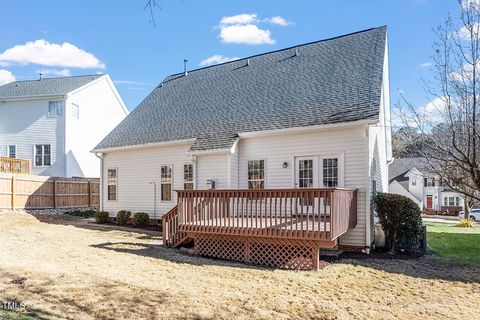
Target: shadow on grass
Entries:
(90, 224)
(172, 255)
(100, 299)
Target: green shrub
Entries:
(123, 216)
(141, 219)
(401, 221)
(101, 216)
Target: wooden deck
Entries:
(229, 224)
(14, 165)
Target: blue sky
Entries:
(117, 37)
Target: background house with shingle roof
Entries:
(314, 115)
(55, 122)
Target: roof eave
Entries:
(145, 145)
(41, 97)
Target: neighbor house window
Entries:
(75, 111)
(256, 174)
(451, 201)
(42, 155)
(457, 201)
(112, 184)
(330, 172)
(445, 201)
(54, 109)
(188, 176)
(429, 182)
(12, 151)
(166, 182)
(414, 181)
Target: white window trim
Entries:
(183, 185)
(76, 115)
(171, 183)
(264, 173)
(8, 150)
(116, 183)
(58, 114)
(34, 155)
(319, 166)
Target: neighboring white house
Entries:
(315, 115)
(55, 122)
(410, 177)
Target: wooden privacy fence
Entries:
(38, 192)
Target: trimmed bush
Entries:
(401, 221)
(141, 219)
(101, 216)
(123, 216)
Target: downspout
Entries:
(368, 209)
(100, 156)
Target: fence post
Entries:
(89, 193)
(13, 192)
(55, 194)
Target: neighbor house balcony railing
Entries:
(14, 165)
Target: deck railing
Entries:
(316, 214)
(14, 165)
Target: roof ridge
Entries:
(67, 77)
(278, 50)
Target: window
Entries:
(330, 172)
(12, 151)
(54, 109)
(429, 182)
(112, 184)
(188, 176)
(256, 174)
(42, 155)
(75, 111)
(166, 181)
(414, 181)
(445, 201)
(451, 201)
(457, 201)
(305, 173)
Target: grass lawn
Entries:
(454, 244)
(73, 269)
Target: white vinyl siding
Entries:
(348, 143)
(137, 169)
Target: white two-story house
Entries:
(55, 122)
(411, 177)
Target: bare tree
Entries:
(449, 124)
(150, 6)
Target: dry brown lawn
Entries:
(79, 270)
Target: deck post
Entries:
(315, 258)
(13, 192)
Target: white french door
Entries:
(306, 172)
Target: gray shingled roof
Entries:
(400, 166)
(329, 81)
(45, 87)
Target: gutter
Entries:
(146, 145)
(100, 156)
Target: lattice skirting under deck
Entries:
(272, 252)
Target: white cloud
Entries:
(278, 20)
(44, 53)
(216, 59)
(244, 29)
(6, 77)
(245, 34)
(244, 18)
(55, 72)
(426, 65)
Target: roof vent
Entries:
(248, 62)
(185, 67)
(296, 52)
(40, 76)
